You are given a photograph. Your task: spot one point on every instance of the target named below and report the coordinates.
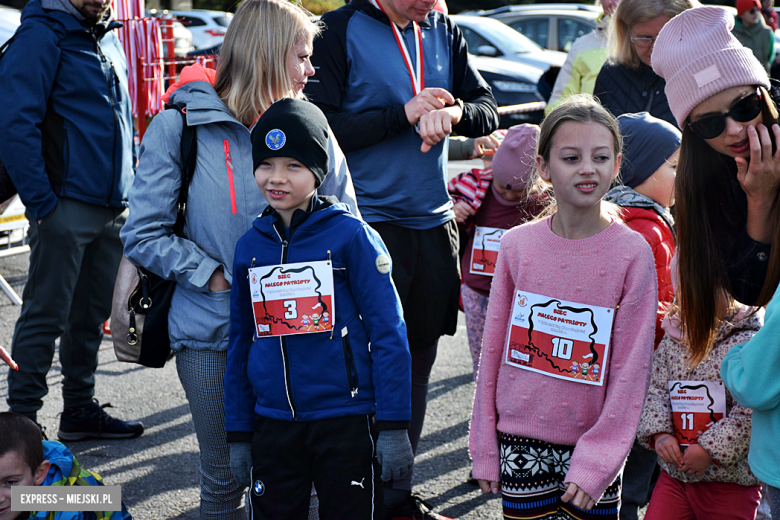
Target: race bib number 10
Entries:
(292, 298)
(696, 406)
(484, 251)
(560, 339)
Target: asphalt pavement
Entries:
(158, 472)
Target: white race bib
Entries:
(558, 338)
(292, 298)
(484, 250)
(696, 406)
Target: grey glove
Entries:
(241, 462)
(394, 453)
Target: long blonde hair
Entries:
(579, 108)
(632, 12)
(252, 69)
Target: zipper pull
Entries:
(229, 166)
(132, 337)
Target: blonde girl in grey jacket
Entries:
(264, 57)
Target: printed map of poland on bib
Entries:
(484, 251)
(696, 406)
(292, 298)
(560, 339)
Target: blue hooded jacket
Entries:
(67, 127)
(66, 471)
(361, 367)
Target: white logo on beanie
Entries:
(275, 139)
(707, 76)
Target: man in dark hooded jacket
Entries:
(66, 133)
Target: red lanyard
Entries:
(418, 78)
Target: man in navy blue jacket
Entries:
(394, 80)
(66, 140)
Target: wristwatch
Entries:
(459, 102)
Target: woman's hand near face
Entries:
(760, 179)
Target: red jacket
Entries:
(658, 234)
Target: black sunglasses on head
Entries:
(744, 110)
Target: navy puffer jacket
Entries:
(623, 90)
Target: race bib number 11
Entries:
(561, 339)
(292, 298)
(696, 406)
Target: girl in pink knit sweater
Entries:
(576, 285)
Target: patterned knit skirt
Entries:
(532, 475)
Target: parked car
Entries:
(10, 19)
(182, 37)
(491, 38)
(513, 84)
(207, 27)
(553, 26)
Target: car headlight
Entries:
(182, 43)
(514, 86)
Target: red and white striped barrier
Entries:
(148, 67)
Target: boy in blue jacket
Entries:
(27, 460)
(327, 404)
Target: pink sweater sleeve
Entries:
(483, 440)
(601, 452)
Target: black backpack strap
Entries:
(189, 154)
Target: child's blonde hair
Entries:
(252, 70)
(578, 108)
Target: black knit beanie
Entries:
(293, 128)
(647, 143)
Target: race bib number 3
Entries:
(484, 251)
(560, 339)
(696, 406)
(292, 298)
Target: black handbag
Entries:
(139, 310)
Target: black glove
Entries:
(394, 453)
(241, 462)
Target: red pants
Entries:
(675, 500)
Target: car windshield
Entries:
(224, 21)
(510, 39)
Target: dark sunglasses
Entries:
(744, 110)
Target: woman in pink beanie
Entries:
(728, 224)
(727, 176)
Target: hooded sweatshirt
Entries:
(66, 471)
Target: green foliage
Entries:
(321, 6)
